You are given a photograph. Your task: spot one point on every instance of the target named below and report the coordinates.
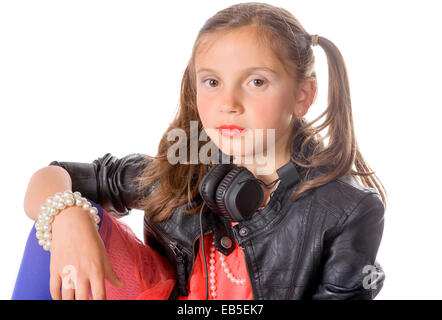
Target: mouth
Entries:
(231, 130)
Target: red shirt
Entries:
(228, 276)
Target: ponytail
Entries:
(342, 151)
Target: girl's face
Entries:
(241, 83)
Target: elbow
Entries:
(43, 183)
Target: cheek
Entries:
(203, 106)
(272, 112)
(208, 118)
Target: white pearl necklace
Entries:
(225, 268)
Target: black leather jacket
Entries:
(321, 246)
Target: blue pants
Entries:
(33, 277)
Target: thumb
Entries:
(112, 276)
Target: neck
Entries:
(280, 160)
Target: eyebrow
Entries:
(245, 70)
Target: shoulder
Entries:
(346, 197)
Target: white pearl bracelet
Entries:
(53, 206)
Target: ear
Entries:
(305, 96)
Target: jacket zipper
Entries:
(178, 252)
(181, 268)
(171, 243)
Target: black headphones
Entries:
(234, 192)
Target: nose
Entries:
(231, 102)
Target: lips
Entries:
(231, 130)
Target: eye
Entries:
(258, 82)
(211, 81)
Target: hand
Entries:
(78, 258)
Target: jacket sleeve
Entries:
(350, 269)
(108, 181)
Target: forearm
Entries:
(44, 183)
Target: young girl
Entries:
(311, 230)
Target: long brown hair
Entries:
(166, 186)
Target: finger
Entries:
(82, 290)
(54, 287)
(67, 294)
(97, 275)
(68, 285)
(98, 288)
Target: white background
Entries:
(79, 79)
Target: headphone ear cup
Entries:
(239, 195)
(209, 184)
(221, 191)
